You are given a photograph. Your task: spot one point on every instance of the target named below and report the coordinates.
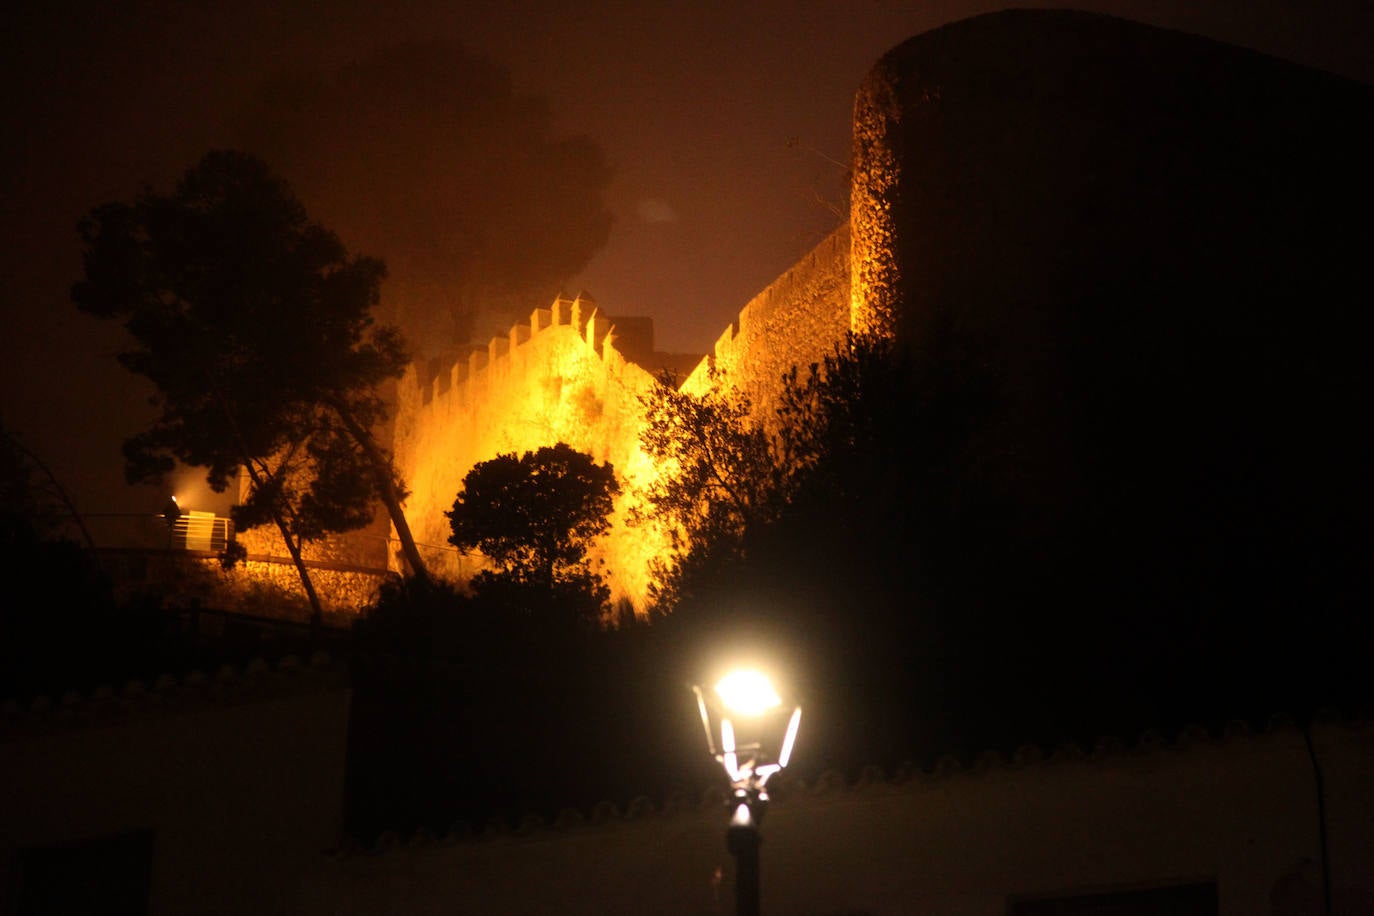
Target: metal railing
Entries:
(201, 531)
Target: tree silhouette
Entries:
(835, 560)
(535, 517)
(255, 326)
(723, 476)
(31, 496)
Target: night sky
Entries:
(723, 123)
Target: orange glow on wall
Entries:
(560, 378)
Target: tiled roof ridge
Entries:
(947, 767)
(169, 692)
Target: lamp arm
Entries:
(705, 721)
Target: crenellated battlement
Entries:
(795, 321)
(437, 377)
(560, 377)
(1005, 220)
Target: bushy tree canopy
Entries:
(723, 475)
(255, 326)
(535, 516)
(26, 507)
(828, 561)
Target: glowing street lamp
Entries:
(743, 717)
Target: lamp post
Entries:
(171, 514)
(742, 716)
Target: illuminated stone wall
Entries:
(557, 378)
(796, 321)
(1053, 202)
(875, 273)
(561, 378)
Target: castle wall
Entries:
(557, 378)
(561, 377)
(796, 321)
(264, 584)
(1144, 253)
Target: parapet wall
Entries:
(560, 377)
(557, 378)
(796, 321)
